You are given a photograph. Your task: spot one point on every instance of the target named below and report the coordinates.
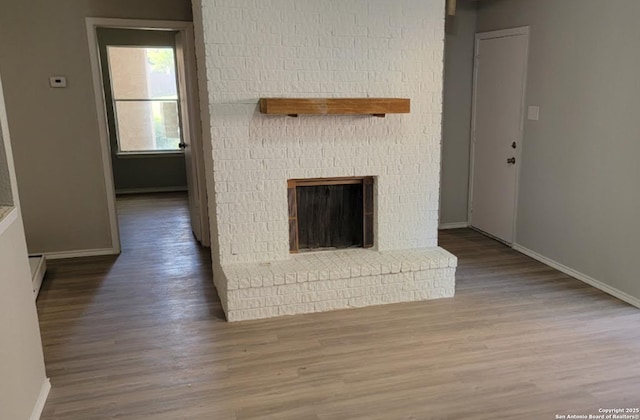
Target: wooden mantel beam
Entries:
(377, 107)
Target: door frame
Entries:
(192, 128)
(503, 33)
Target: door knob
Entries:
(182, 145)
(511, 161)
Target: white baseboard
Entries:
(457, 225)
(41, 401)
(80, 253)
(37, 275)
(580, 276)
(125, 191)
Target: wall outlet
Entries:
(58, 82)
(533, 113)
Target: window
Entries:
(145, 99)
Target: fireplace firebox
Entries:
(330, 213)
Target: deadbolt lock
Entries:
(513, 145)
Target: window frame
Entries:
(145, 153)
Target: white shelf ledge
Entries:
(7, 215)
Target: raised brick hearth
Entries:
(324, 281)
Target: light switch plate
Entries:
(58, 82)
(533, 113)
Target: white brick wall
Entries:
(319, 48)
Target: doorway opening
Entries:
(139, 76)
(148, 114)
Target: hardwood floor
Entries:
(142, 336)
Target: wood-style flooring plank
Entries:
(143, 336)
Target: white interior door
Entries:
(499, 86)
(191, 140)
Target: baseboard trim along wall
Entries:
(80, 253)
(42, 399)
(125, 191)
(37, 272)
(580, 276)
(457, 225)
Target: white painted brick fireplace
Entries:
(249, 49)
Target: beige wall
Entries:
(55, 132)
(579, 195)
(456, 122)
(22, 373)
